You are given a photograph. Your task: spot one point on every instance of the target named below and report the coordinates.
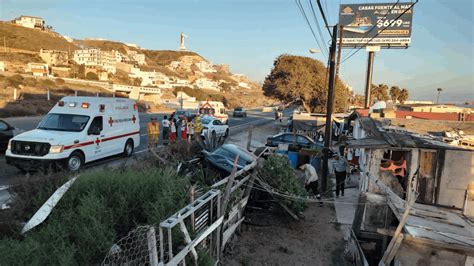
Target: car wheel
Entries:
(75, 161)
(128, 149)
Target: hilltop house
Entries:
(149, 78)
(96, 57)
(38, 69)
(30, 22)
(54, 57)
(139, 58)
(205, 67)
(204, 83)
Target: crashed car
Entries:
(223, 158)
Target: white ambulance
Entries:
(215, 109)
(76, 131)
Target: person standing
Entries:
(153, 131)
(184, 129)
(197, 127)
(311, 180)
(166, 130)
(173, 130)
(341, 168)
(190, 130)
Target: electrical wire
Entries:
(324, 17)
(318, 26)
(303, 13)
(351, 55)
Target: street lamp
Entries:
(314, 51)
(439, 92)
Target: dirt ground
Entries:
(276, 239)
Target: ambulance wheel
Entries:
(128, 149)
(75, 161)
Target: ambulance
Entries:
(76, 131)
(215, 109)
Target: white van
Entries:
(76, 131)
(215, 109)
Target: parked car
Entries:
(240, 112)
(6, 133)
(301, 141)
(223, 157)
(213, 127)
(180, 114)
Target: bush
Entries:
(99, 209)
(15, 81)
(92, 76)
(277, 172)
(60, 81)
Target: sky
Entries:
(249, 34)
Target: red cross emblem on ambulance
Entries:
(111, 121)
(134, 119)
(97, 141)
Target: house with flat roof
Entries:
(38, 69)
(54, 57)
(30, 22)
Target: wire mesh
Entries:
(136, 248)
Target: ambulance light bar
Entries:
(72, 104)
(61, 103)
(85, 105)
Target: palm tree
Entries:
(439, 92)
(403, 96)
(394, 93)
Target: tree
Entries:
(92, 76)
(15, 81)
(403, 96)
(379, 92)
(81, 71)
(394, 93)
(303, 79)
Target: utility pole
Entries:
(368, 80)
(330, 100)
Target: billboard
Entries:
(362, 22)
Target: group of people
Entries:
(341, 171)
(173, 129)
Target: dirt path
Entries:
(275, 239)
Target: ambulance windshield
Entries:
(64, 122)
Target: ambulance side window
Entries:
(96, 126)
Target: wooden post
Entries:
(75, 93)
(15, 94)
(151, 236)
(170, 244)
(97, 95)
(228, 188)
(187, 239)
(397, 236)
(191, 200)
(162, 248)
(48, 95)
(249, 139)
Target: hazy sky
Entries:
(249, 34)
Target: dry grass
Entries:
(33, 40)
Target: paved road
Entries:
(8, 174)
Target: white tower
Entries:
(182, 39)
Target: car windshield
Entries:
(206, 120)
(238, 109)
(230, 152)
(180, 113)
(64, 122)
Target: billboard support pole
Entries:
(330, 100)
(368, 80)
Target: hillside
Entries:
(32, 40)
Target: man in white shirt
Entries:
(166, 130)
(311, 180)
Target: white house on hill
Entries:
(30, 22)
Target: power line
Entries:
(324, 17)
(351, 55)
(303, 13)
(310, 4)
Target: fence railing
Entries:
(207, 224)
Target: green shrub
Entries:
(15, 81)
(92, 76)
(277, 172)
(99, 209)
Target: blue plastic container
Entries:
(281, 152)
(316, 163)
(293, 158)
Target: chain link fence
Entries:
(139, 247)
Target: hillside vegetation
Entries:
(32, 40)
(164, 57)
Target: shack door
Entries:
(426, 177)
